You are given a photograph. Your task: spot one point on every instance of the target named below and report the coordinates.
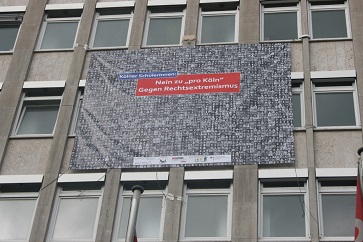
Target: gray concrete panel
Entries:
(4, 65)
(332, 56)
(109, 203)
(50, 66)
(138, 23)
(26, 156)
(14, 2)
(249, 22)
(300, 149)
(337, 148)
(296, 57)
(173, 207)
(245, 203)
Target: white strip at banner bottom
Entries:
(180, 160)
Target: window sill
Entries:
(332, 239)
(284, 239)
(32, 136)
(108, 48)
(160, 46)
(281, 41)
(331, 39)
(205, 239)
(9, 52)
(53, 50)
(337, 128)
(218, 43)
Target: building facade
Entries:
(45, 52)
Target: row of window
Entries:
(335, 104)
(206, 210)
(218, 23)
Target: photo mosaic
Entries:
(251, 126)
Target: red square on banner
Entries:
(190, 84)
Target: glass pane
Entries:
(335, 109)
(16, 217)
(76, 218)
(111, 33)
(8, 35)
(206, 216)
(59, 35)
(329, 24)
(296, 108)
(338, 214)
(218, 29)
(280, 26)
(148, 219)
(38, 120)
(164, 31)
(283, 216)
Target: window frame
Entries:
(283, 191)
(56, 20)
(101, 18)
(20, 23)
(287, 9)
(337, 89)
(77, 109)
(147, 193)
(300, 91)
(328, 7)
(22, 196)
(24, 106)
(207, 192)
(75, 194)
(234, 13)
(333, 190)
(166, 15)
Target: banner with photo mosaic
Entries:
(186, 106)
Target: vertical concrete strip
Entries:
(109, 204)
(249, 22)
(191, 23)
(356, 19)
(46, 196)
(173, 207)
(138, 23)
(312, 216)
(18, 69)
(245, 203)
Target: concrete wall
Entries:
(330, 56)
(26, 156)
(337, 148)
(296, 57)
(14, 2)
(50, 66)
(4, 65)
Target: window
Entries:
(164, 26)
(17, 209)
(218, 23)
(39, 111)
(298, 103)
(59, 29)
(283, 209)
(9, 28)
(280, 21)
(207, 222)
(112, 27)
(150, 220)
(76, 212)
(329, 20)
(335, 102)
(336, 209)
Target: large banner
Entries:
(186, 106)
